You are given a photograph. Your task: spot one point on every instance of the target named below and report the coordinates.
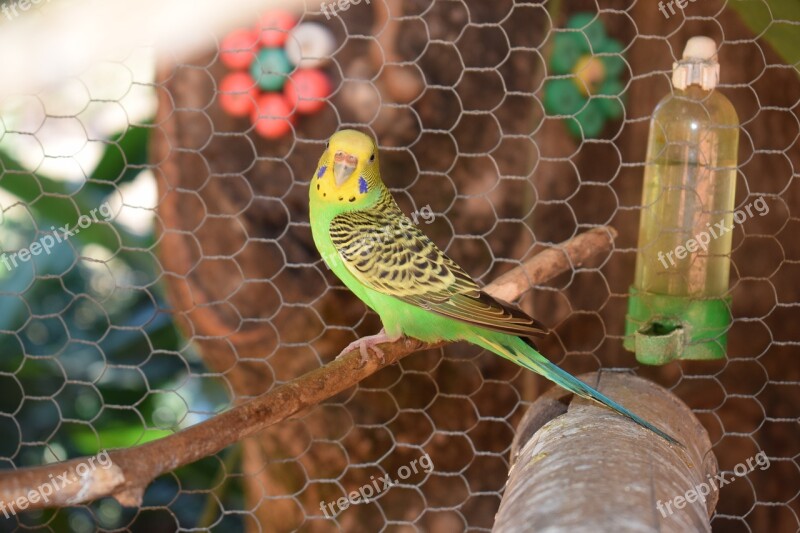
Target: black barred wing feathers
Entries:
(385, 251)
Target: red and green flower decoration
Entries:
(588, 64)
(275, 72)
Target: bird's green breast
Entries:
(321, 215)
(397, 316)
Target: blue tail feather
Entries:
(527, 357)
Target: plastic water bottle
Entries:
(678, 306)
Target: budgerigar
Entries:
(397, 271)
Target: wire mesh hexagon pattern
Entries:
(158, 265)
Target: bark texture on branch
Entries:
(577, 466)
(134, 468)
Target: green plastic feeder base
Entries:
(660, 328)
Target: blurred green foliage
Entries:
(777, 22)
(91, 358)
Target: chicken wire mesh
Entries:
(193, 283)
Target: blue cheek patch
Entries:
(362, 185)
(321, 171)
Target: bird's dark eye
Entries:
(372, 158)
(327, 145)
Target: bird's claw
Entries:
(365, 354)
(364, 344)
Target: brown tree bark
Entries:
(576, 466)
(244, 275)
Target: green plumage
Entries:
(396, 270)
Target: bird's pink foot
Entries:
(365, 343)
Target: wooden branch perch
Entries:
(577, 466)
(132, 469)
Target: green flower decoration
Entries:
(593, 62)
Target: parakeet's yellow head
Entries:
(348, 169)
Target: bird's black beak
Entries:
(344, 165)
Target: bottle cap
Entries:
(699, 65)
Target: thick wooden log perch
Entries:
(132, 469)
(577, 466)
